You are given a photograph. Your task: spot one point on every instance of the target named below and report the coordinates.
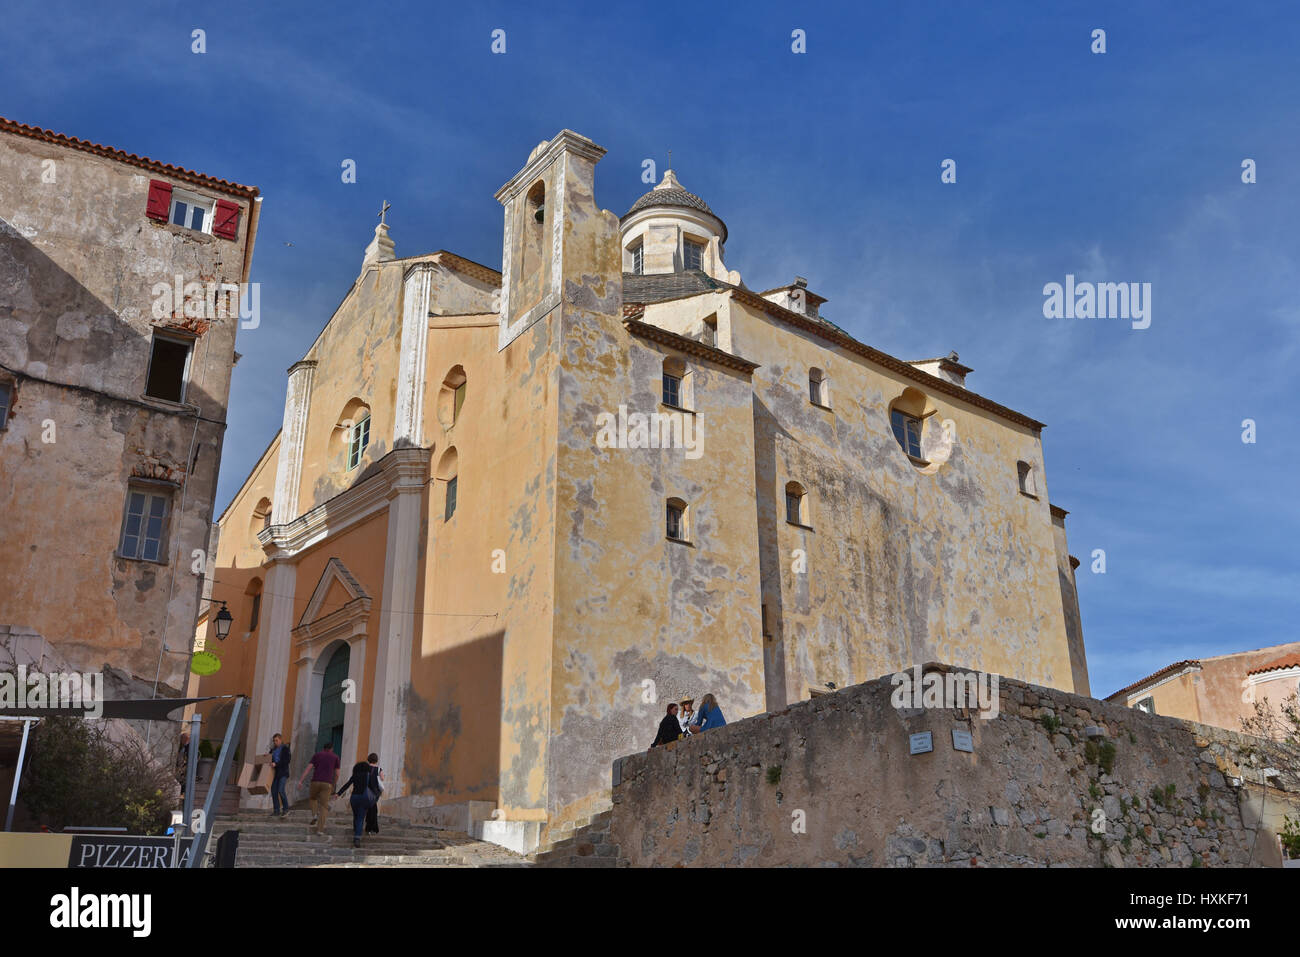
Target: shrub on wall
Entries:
(78, 776)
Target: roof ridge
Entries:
(122, 156)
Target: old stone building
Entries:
(119, 283)
(509, 515)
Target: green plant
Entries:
(1196, 862)
(1106, 761)
(1290, 835)
(207, 749)
(1051, 723)
(1203, 792)
(1164, 796)
(1041, 834)
(1094, 791)
(774, 775)
(1132, 738)
(79, 776)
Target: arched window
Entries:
(819, 391)
(261, 516)
(448, 468)
(451, 396)
(1025, 473)
(677, 529)
(352, 433)
(677, 391)
(796, 504)
(907, 416)
(254, 593)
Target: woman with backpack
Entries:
(362, 798)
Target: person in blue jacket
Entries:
(708, 716)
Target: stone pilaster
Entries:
(398, 620)
(408, 424)
(288, 471)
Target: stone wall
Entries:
(1055, 779)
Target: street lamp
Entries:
(224, 620)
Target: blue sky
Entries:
(1123, 166)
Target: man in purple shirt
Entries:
(325, 775)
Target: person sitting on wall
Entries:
(687, 715)
(709, 716)
(669, 728)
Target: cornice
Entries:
(401, 471)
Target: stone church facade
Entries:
(510, 515)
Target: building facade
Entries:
(509, 515)
(119, 300)
(1222, 690)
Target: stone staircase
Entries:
(587, 845)
(227, 803)
(266, 841)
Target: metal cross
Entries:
(384, 209)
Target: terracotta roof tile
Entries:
(1277, 664)
(1176, 666)
(165, 169)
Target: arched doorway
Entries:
(330, 724)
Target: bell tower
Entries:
(540, 202)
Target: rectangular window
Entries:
(450, 509)
(710, 336)
(672, 390)
(638, 260)
(257, 611)
(792, 507)
(815, 391)
(169, 366)
(675, 525)
(460, 400)
(144, 529)
(1148, 705)
(358, 441)
(907, 429)
(191, 211)
(6, 402)
(693, 255)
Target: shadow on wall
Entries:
(453, 732)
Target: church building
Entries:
(510, 515)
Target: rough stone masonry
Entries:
(1056, 779)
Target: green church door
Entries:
(331, 701)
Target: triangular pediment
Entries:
(335, 589)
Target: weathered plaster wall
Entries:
(480, 676)
(356, 356)
(1026, 796)
(630, 605)
(78, 261)
(1065, 566)
(902, 564)
(238, 565)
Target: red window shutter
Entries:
(226, 223)
(160, 200)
